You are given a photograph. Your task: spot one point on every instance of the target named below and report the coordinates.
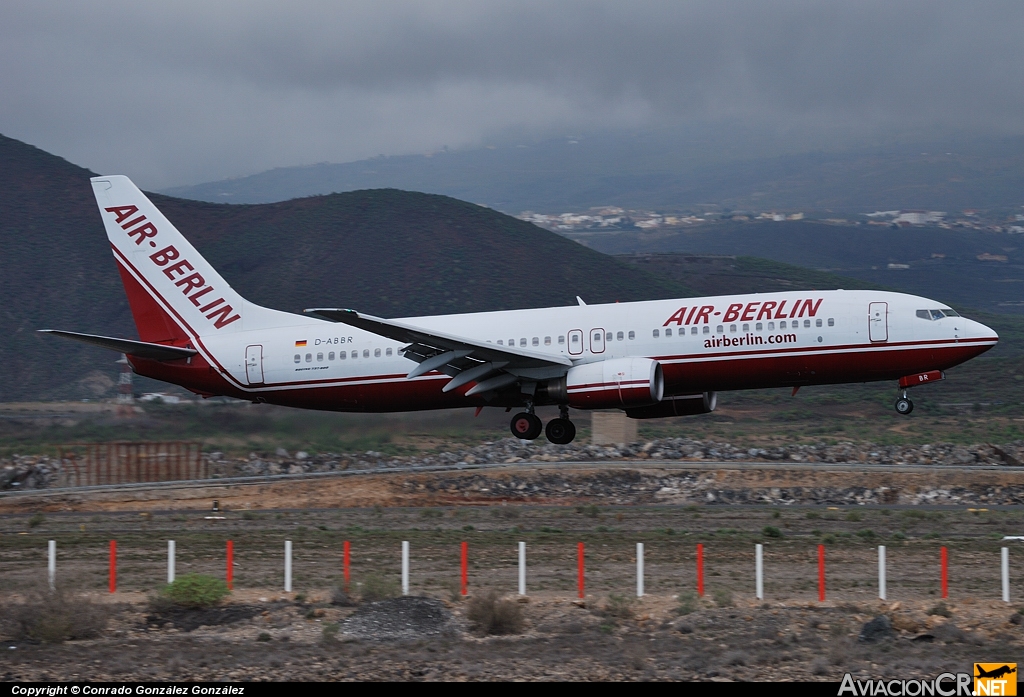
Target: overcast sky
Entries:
(181, 92)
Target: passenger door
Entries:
(878, 321)
(254, 364)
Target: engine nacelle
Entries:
(615, 384)
(680, 405)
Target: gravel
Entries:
(408, 617)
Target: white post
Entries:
(881, 572)
(405, 567)
(522, 568)
(759, 571)
(287, 566)
(170, 561)
(1006, 574)
(639, 569)
(51, 566)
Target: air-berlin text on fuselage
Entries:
(141, 230)
(751, 312)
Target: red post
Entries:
(231, 565)
(700, 570)
(113, 566)
(945, 573)
(346, 561)
(580, 573)
(821, 573)
(465, 568)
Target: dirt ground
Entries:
(265, 633)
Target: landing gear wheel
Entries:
(526, 426)
(560, 431)
(904, 406)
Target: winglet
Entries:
(580, 301)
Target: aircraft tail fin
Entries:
(174, 293)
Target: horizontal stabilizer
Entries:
(141, 349)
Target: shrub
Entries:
(941, 610)
(813, 515)
(491, 614)
(620, 607)
(723, 597)
(898, 535)
(375, 587)
(771, 531)
(330, 633)
(866, 535)
(853, 516)
(36, 520)
(195, 591)
(53, 616)
(264, 636)
(688, 603)
(828, 539)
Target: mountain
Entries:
(966, 268)
(668, 171)
(386, 252)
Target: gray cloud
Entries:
(176, 93)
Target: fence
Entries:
(758, 581)
(91, 464)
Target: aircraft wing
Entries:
(142, 349)
(466, 360)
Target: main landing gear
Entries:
(527, 426)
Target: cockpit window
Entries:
(936, 314)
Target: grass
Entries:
(376, 587)
(195, 591)
(491, 614)
(54, 616)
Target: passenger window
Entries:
(707, 328)
(298, 358)
(720, 329)
(501, 342)
(693, 330)
(330, 356)
(632, 335)
(732, 328)
(341, 355)
(807, 324)
(746, 327)
(388, 352)
(656, 334)
(309, 358)
(319, 358)
(758, 326)
(536, 341)
(376, 353)
(782, 324)
(561, 339)
(831, 321)
(511, 342)
(668, 331)
(366, 353)
(619, 336)
(575, 338)
(771, 326)
(355, 355)
(522, 342)
(608, 336)
(817, 323)
(547, 341)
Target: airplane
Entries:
(651, 359)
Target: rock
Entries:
(904, 622)
(876, 630)
(949, 633)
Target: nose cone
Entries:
(977, 330)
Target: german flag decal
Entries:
(300, 343)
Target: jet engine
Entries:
(611, 384)
(679, 405)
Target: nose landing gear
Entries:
(904, 405)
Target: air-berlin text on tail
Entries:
(751, 312)
(142, 230)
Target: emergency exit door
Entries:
(254, 364)
(878, 321)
